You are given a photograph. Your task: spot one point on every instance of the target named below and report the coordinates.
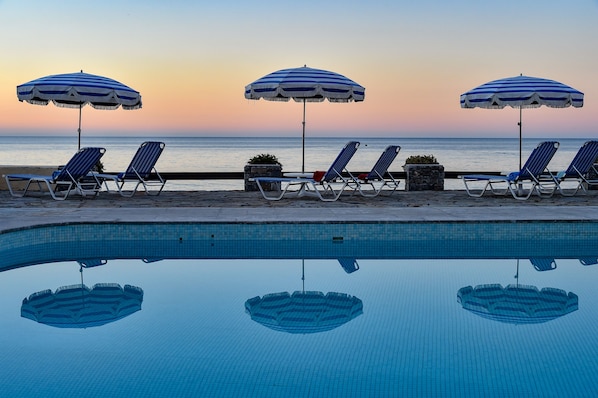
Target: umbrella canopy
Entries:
(517, 304)
(522, 92)
(305, 84)
(78, 306)
(304, 312)
(75, 90)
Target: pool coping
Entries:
(18, 218)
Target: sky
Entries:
(191, 60)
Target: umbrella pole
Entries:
(303, 140)
(520, 187)
(79, 129)
(520, 137)
(303, 274)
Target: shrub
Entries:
(421, 159)
(264, 158)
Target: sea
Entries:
(230, 154)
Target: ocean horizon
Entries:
(230, 154)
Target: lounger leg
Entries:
(23, 192)
(473, 192)
(283, 190)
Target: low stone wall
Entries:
(424, 177)
(261, 170)
(40, 170)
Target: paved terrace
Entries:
(239, 206)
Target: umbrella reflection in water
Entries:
(78, 306)
(517, 304)
(304, 312)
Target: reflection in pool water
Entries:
(78, 306)
(306, 311)
(303, 312)
(193, 337)
(517, 304)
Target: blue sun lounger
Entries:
(578, 171)
(328, 186)
(371, 184)
(138, 172)
(543, 264)
(521, 184)
(71, 178)
(350, 265)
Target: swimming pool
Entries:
(426, 309)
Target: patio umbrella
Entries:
(77, 306)
(517, 304)
(305, 84)
(75, 90)
(522, 92)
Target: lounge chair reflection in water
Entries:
(328, 186)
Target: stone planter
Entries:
(261, 170)
(424, 177)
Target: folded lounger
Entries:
(578, 171)
(521, 184)
(138, 172)
(328, 186)
(64, 181)
(371, 184)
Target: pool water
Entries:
(360, 326)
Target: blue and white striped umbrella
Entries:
(305, 84)
(522, 92)
(75, 90)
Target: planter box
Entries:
(424, 177)
(261, 170)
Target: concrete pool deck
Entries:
(239, 206)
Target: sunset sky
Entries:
(192, 59)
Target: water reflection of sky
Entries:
(192, 336)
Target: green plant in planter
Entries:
(421, 159)
(264, 158)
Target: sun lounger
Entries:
(543, 264)
(71, 178)
(578, 171)
(138, 172)
(90, 263)
(328, 185)
(521, 184)
(350, 265)
(371, 184)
